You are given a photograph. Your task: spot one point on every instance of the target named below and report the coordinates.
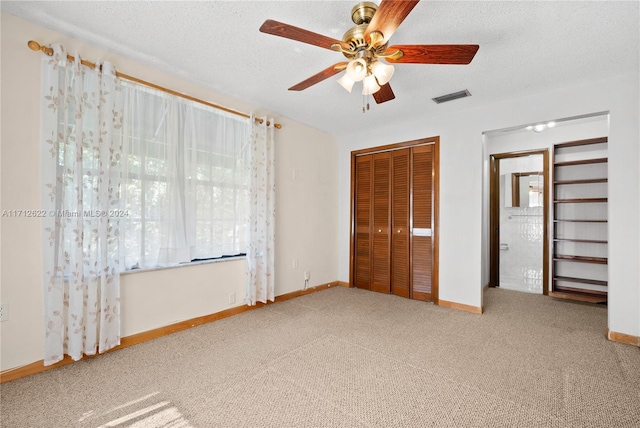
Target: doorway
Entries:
(518, 217)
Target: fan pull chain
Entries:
(365, 103)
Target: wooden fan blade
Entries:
(384, 94)
(388, 18)
(434, 54)
(299, 34)
(319, 77)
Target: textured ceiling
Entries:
(525, 47)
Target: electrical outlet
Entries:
(307, 275)
(295, 263)
(4, 311)
(232, 298)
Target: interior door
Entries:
(363, 225)
(381, 221)
(422, 214)
(400, 278)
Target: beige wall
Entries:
(306, 209)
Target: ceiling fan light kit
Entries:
(346, 82)
(370, 85)
(357, 69)
(382, 71)
(366, 47)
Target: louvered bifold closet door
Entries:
(422, 210)
(400, 278)
(381, 222)
(362, 260)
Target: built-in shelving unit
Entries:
(580, 220)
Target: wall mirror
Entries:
(526, 190)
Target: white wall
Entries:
(461, 170)
(306, 209)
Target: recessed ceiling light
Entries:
(540, 126)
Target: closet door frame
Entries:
(435, 142)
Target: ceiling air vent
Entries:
(451, 97)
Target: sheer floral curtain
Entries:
(260, 245)
(81, 154)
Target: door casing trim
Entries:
(494, 214)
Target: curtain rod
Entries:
(35, 46)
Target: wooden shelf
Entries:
(580, 259)
(581, 297)
(588, 175)
(576, 143)
(580, 290)
(580, 200)
(580, 280)
(585, 181)
(579, 221)
(582, 162)
(585, 241)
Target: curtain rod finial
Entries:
(35, 46)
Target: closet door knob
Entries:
(379, 230)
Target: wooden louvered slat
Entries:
(381, 216)
(401, 188)
(422, 257)
(400, 282)
(381, 183)
(422, 185)
(380, 281)
(421, 254)
(362, 261)
(363, 192)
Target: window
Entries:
(185, 180)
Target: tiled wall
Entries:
(521, 264)
(521, 233)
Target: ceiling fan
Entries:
(366, 45)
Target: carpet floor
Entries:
(345, 357)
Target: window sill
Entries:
(200, 262)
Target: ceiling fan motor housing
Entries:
(355, 37)
(363, 12)
(361, 15)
